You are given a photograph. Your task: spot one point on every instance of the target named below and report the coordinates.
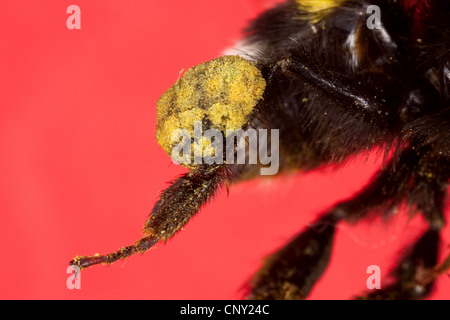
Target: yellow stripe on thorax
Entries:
(318, 9)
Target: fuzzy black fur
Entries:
(395, 96)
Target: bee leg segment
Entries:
(141, 245)
(290, 273)
(415, 274)
(176, 206)
(184, 198)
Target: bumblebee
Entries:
(333, 86)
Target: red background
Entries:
(80, 167)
